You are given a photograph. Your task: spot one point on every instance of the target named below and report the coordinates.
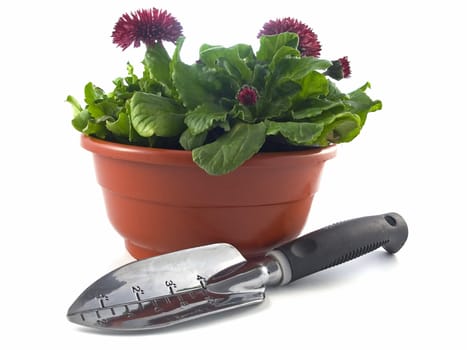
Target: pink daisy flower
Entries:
(308, 43)
(147, 26)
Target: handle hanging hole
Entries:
(390, 220)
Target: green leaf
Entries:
(276, 108)
(80, 120)
(105, 107)
(189, 141)
(285, 89)
(233, 59)
(75, 104)
(95, 129)
(260, 74)
(296, 133)
(157, 61)
(361, 104)
(191, 85)
(271, 44)
(156, 115)
(92, 93)
(296, 69)
(121, 126)
(343, 127)
(232, 149)
(205, 117)
(315, 107)
(190, 81)
(280, 101)
(314, 84)
(293, 79)
(243, 113)
(80, 116)
(283, 53)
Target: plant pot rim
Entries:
(152, 155)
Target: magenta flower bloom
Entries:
(247, 95)
(344, 62)
(147, 26)
(308, 43)
(340, 69)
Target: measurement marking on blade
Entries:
(202, 281)
(112, 311)
(98, 314)
(82, 317)
(137, 290)
(171, 285)
(102, 298)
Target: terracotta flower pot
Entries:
(160, 201)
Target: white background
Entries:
(410, 158)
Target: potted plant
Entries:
(229, 148)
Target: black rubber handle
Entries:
(344, 241)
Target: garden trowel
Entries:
(195, 282)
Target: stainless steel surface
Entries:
(247, 277)
(280, 261)
(163, 311)
(158, 291)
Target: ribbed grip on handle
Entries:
(344, 241)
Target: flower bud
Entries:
(247, 95)
(340, 69)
